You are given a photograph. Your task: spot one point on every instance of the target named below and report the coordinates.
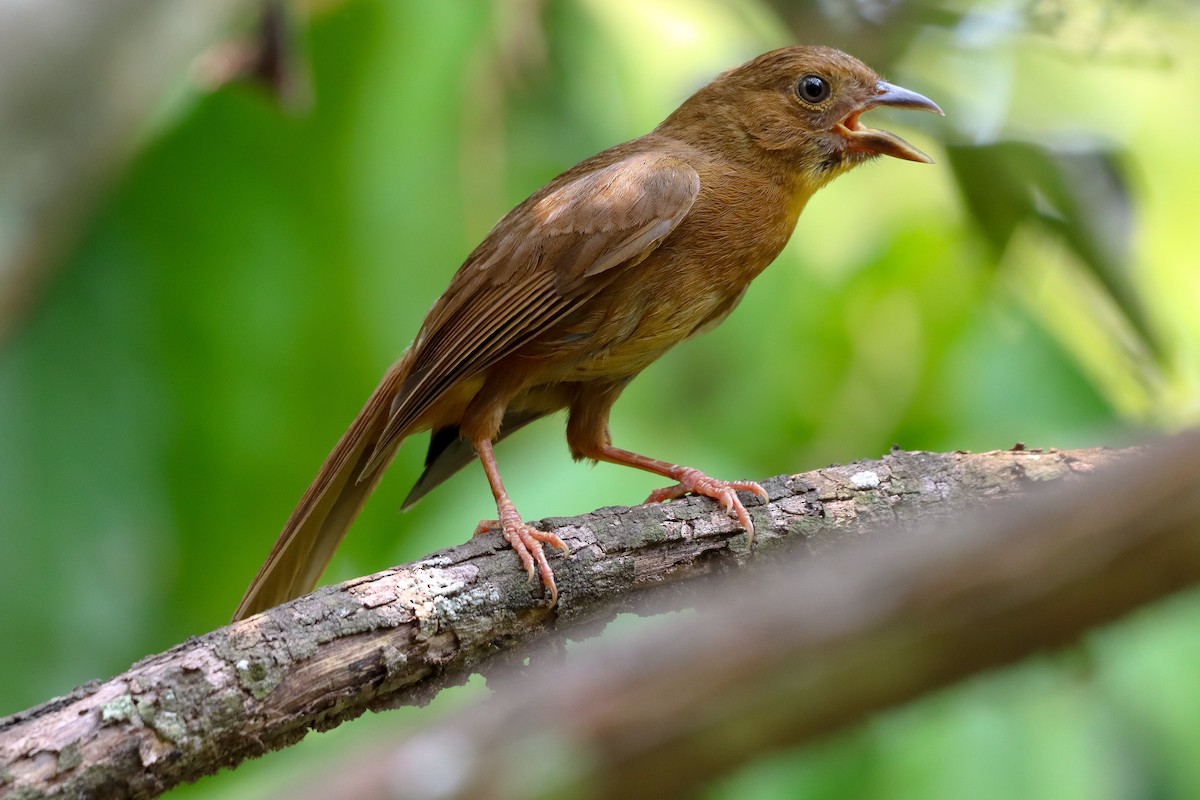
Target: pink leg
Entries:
(525, 539)
(691, 481)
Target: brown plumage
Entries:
(591, 279)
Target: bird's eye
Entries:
(812, 89)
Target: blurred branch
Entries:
(834, 633)
(78, 81)
(270, 56)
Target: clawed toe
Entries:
(693, 481)
(668, 493)
(486, 526)
(753, 488)
(527, 541)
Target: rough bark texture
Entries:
(399, 636)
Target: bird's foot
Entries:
(693, 481)
(527, 541)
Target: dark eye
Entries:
(812, 89)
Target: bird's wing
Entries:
(539, 263)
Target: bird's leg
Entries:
(588, 437)
(524, 538)
(691, 481)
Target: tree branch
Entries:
(813, 647)
(810, 646)
(399, 636)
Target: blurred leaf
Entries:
(1079, 195)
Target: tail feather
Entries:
(329, 505)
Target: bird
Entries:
(586, 283)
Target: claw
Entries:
(693, 481)
(527, 541)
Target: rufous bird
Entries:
(589, 281)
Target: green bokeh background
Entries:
(251, 274)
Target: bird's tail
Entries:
(329, 505)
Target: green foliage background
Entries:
(253, 272)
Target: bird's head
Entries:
(803, 105)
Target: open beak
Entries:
(862, 139)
